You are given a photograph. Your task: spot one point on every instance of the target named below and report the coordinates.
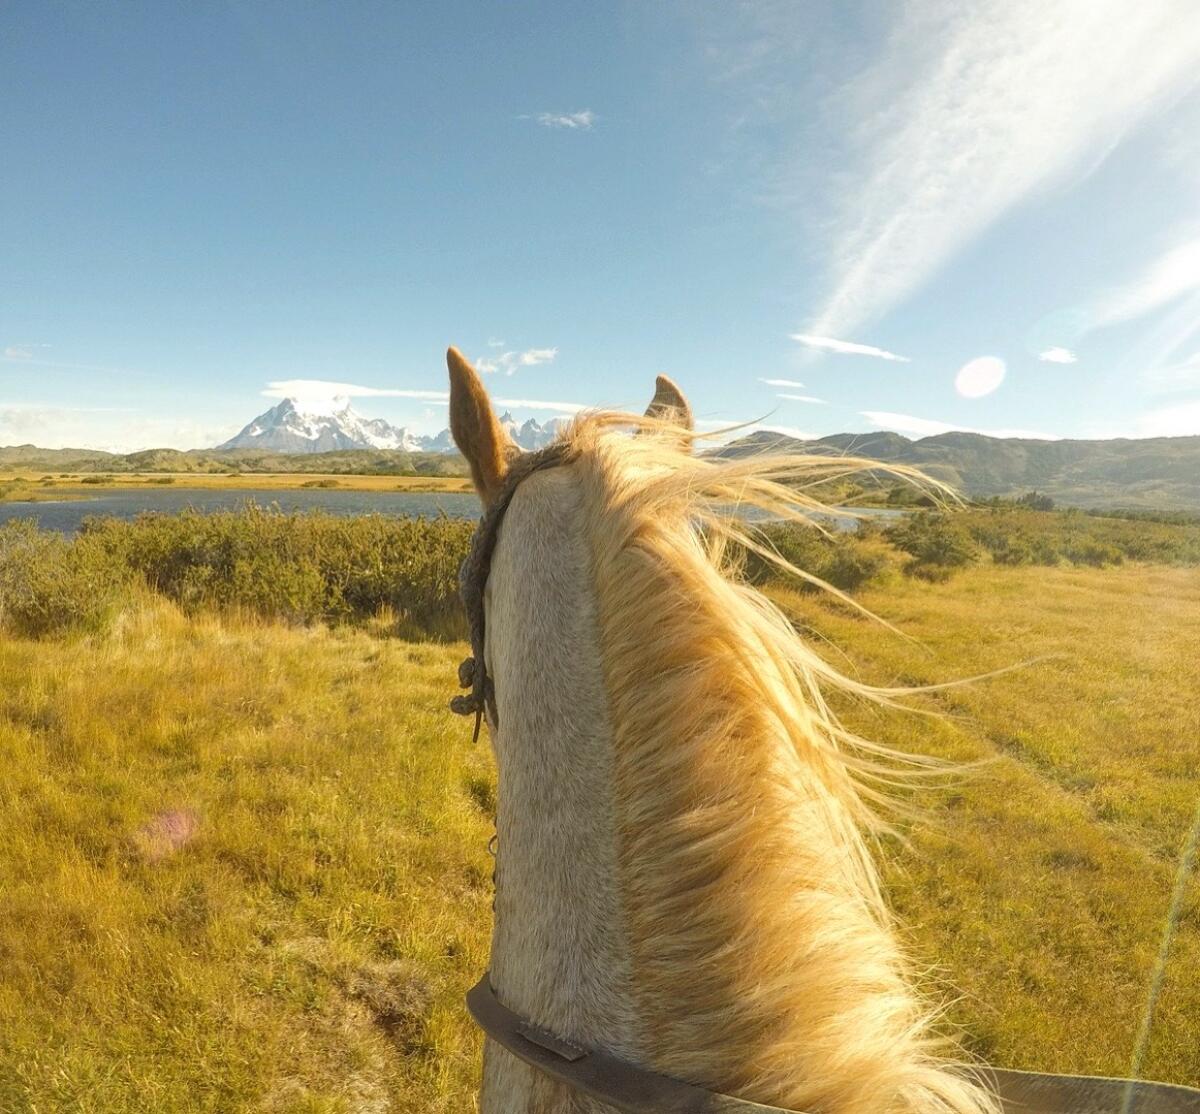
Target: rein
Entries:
(631, 1089)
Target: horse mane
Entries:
(765, 962)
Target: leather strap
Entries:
(634, 1090)
(616, 1082)
(1027, 1092)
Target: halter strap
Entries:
(472, 579)
(600, 1075)
(634, 1090)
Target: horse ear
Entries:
(477, 433)
(669, 405)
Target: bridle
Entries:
(625, 1086)
(472, 580)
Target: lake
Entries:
(67, 515)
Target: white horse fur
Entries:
(682, 876)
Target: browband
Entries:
(635, 1090)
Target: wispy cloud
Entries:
(929, 427)
(318, 390)
(1058, 355)
(324, 390)
(18, 352)
(569, 121)
(722, 432)
(783, 383)
(1182, 420)
(1173, 275)
(847, 347)
(32, 360)
(540, 404)
(508, 362)
(801, 398)
(969, 110)
(111, 429)
(789, 431)
(1181, 376)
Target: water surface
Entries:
(66, 516)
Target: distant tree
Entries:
(1036, 501)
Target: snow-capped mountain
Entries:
(531, 434)
(293, 427)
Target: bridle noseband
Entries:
(635, 1090)
(472, 580)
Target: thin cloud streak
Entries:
(930, 427)
(1058, 355)
(325, 389)
(541, 404)
(847, 347)
(1182, 420)
(57, 365)
(802, 398)
(109, 429)
(568, 121)
(1182, 376)
(508, 362)
(973, 108)
(1168, 278)
(723, 432)
(783, 383)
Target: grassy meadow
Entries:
(27, 487)
(243, 849)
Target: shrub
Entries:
(1014, 551)
(1088, 551)
(846, 560)
(935, 543)
(49, 585)
(298, 567)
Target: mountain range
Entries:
(1148, 473)
(1156, 473)
(291, 427)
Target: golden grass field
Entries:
(244, 865)
(27, 486)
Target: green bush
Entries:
(1021, 536)
(49, 585)
(846, 560)
(297, 567)
(936, 544)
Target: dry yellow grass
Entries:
(1040, 885)
(244, 866)
(26, 485)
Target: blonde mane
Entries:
(764, 961)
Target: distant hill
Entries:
(1153, 473)
(1158, 473)
(369, 462)
(51, 460)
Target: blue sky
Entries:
(198, 202)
